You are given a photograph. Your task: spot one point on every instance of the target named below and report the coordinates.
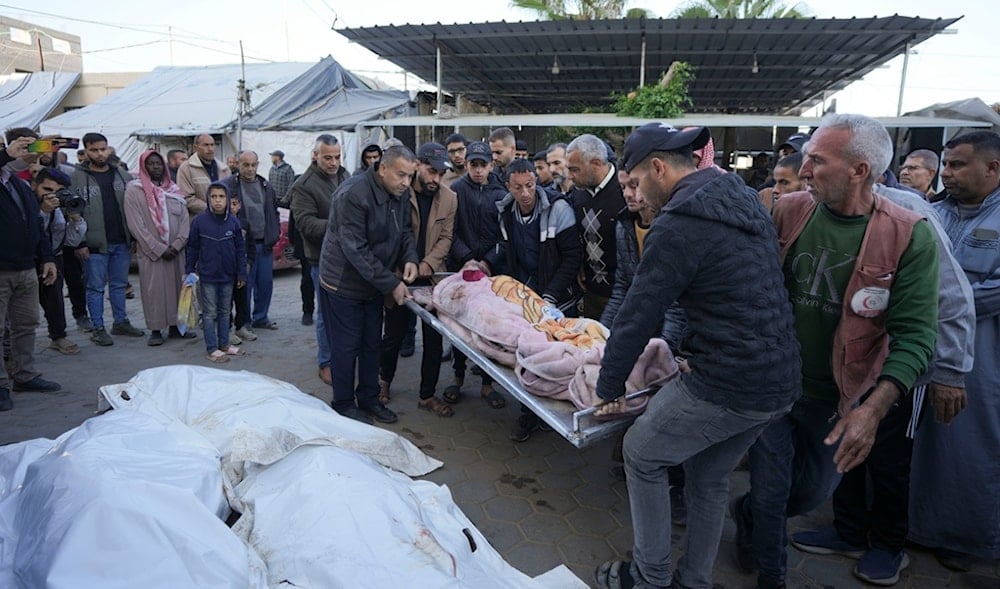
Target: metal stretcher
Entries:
(576, 426)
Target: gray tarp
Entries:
(26, 99)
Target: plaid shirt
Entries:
(281, 178)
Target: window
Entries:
(20, 36)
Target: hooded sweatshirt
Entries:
(216, 250)
(714, 250)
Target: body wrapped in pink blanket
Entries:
(552, 356)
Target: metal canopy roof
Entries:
(508, 66)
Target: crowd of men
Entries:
(831, 323)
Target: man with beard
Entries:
(106, 250)
(555, 157)
(456, 144)
(368, 235)
(503, 145)
(433, 218)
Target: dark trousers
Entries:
(306, 287)
(51, 299)
(73, 276)
(458, 361)
(882, 522)
(397, 321)
(354, 330)
(242, 306)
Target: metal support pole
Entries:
(440, 96)
(902, 80)
(642, 62)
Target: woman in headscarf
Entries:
(158, 220)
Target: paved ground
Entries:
(541, 503)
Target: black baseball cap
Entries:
(435, 155)
(278, 153)
(795, 142)
(661, 137)
(478, 150)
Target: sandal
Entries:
(435, 405)
(383, 392)
(494, 399)
(615, 574)
(233, 351)
(452, 394)
(218, 357)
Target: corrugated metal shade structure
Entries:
(762, 66)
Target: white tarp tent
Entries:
(26, 99)
(172, 103)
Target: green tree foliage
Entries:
(580, 9)
(667, 99)
(740, 9)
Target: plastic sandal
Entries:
(495, 399)
(452, 394)
(233, 351)
(435, 405)
(218, 357)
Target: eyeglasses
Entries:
(912, 168)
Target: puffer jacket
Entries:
(627, 250)
(560, 250)
(477, 231)
(369, 234)
(714, 250)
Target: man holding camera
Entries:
(21, 245)
(62, 225)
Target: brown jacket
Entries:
(193, 180)
(442, 225)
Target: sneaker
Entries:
(826, 541)
(37, 385)
(235, 339)
(381, 413)
(6, 404)
(744, 534)
(523, 428)
(264, 324)
(356, 414)
(101, 337)
(881, 567)
(307, 319)
(84, 324)
(954, 560)
(245, 333)
(125, 328)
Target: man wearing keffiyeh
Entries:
(157, 217)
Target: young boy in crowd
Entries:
(216, 255)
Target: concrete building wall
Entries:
(93, 87)
(20, 52)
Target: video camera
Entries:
(70, 202)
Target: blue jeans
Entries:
(322, 342)
(709, 440)
(260, 284)
(791, 473)
(110, 268)
(216, 297)
(354, 332)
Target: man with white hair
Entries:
(597, 199)
(861, 272)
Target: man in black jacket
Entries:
(714, 249)
(21, 246)
(310, 203)
(368, 236)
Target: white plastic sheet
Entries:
(137, 497)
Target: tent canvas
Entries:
(172, 102)
(26, 99)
